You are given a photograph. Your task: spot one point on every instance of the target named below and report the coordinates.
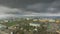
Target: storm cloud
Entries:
(30, 7)
(53, 7)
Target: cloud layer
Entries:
(53, 7)
(28, 7)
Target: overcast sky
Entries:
(30, 7)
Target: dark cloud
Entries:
(22, 3)
(53, 7)
(23, 7)
(39, 7)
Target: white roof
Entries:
(33, 24)
(1, 26)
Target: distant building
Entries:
(28, 18)
(34, 24)
(5, 20)
(2, 27)
(51, 20)
(35, 19)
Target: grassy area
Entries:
(10, 24)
